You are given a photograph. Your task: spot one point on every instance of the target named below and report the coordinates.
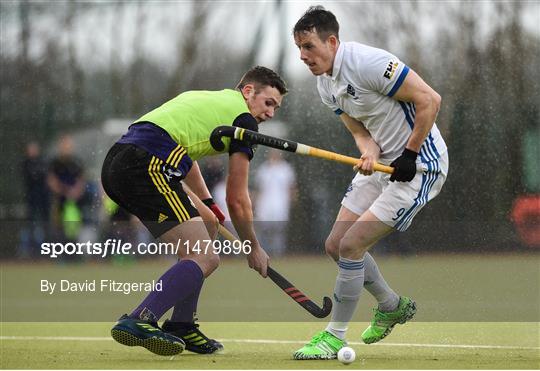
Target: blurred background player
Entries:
(34, 174)
(275, 184)
(142, 173)
(67, 184)
(390, 112)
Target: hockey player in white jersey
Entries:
(390, 111)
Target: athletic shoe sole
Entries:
(313, 357)
(199, 351)
(154, 344)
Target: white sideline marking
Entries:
(56, 338)
(268, 341)
(462, 346)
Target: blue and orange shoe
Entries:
(136, 332)
(195, 340)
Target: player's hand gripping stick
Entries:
(295, 294)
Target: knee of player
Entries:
(208, 263)
(213, 261)
(332, 247)
(350, 247)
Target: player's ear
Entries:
(248, 90)
(333, 42)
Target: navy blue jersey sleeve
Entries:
(245, 121)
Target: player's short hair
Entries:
(319, 20)
(260, 77)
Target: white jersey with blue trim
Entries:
(363, 82)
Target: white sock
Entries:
(374, 282)
(349, 284)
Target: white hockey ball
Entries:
(346, 355)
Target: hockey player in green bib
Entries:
(142, 173)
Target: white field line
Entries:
(269, 341)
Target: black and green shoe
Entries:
(136, 332)
(195, 340)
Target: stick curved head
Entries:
(218, 133)
(327, 307)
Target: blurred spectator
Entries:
(275, 181)
(36, 198)
(526, 217)
(67, 184)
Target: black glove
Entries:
(404, 166)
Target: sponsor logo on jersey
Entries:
(171, 173)
(334, 99)
(391, 69)
(349, 188)
(162, 218)
(351, 90)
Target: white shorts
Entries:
(396, 203)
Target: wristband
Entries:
(208, 201)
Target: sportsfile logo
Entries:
(391, 69)
(113, 247)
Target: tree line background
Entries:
(482, 57)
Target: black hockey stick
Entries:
(295, 294)
(299, 297)
(284, 145)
